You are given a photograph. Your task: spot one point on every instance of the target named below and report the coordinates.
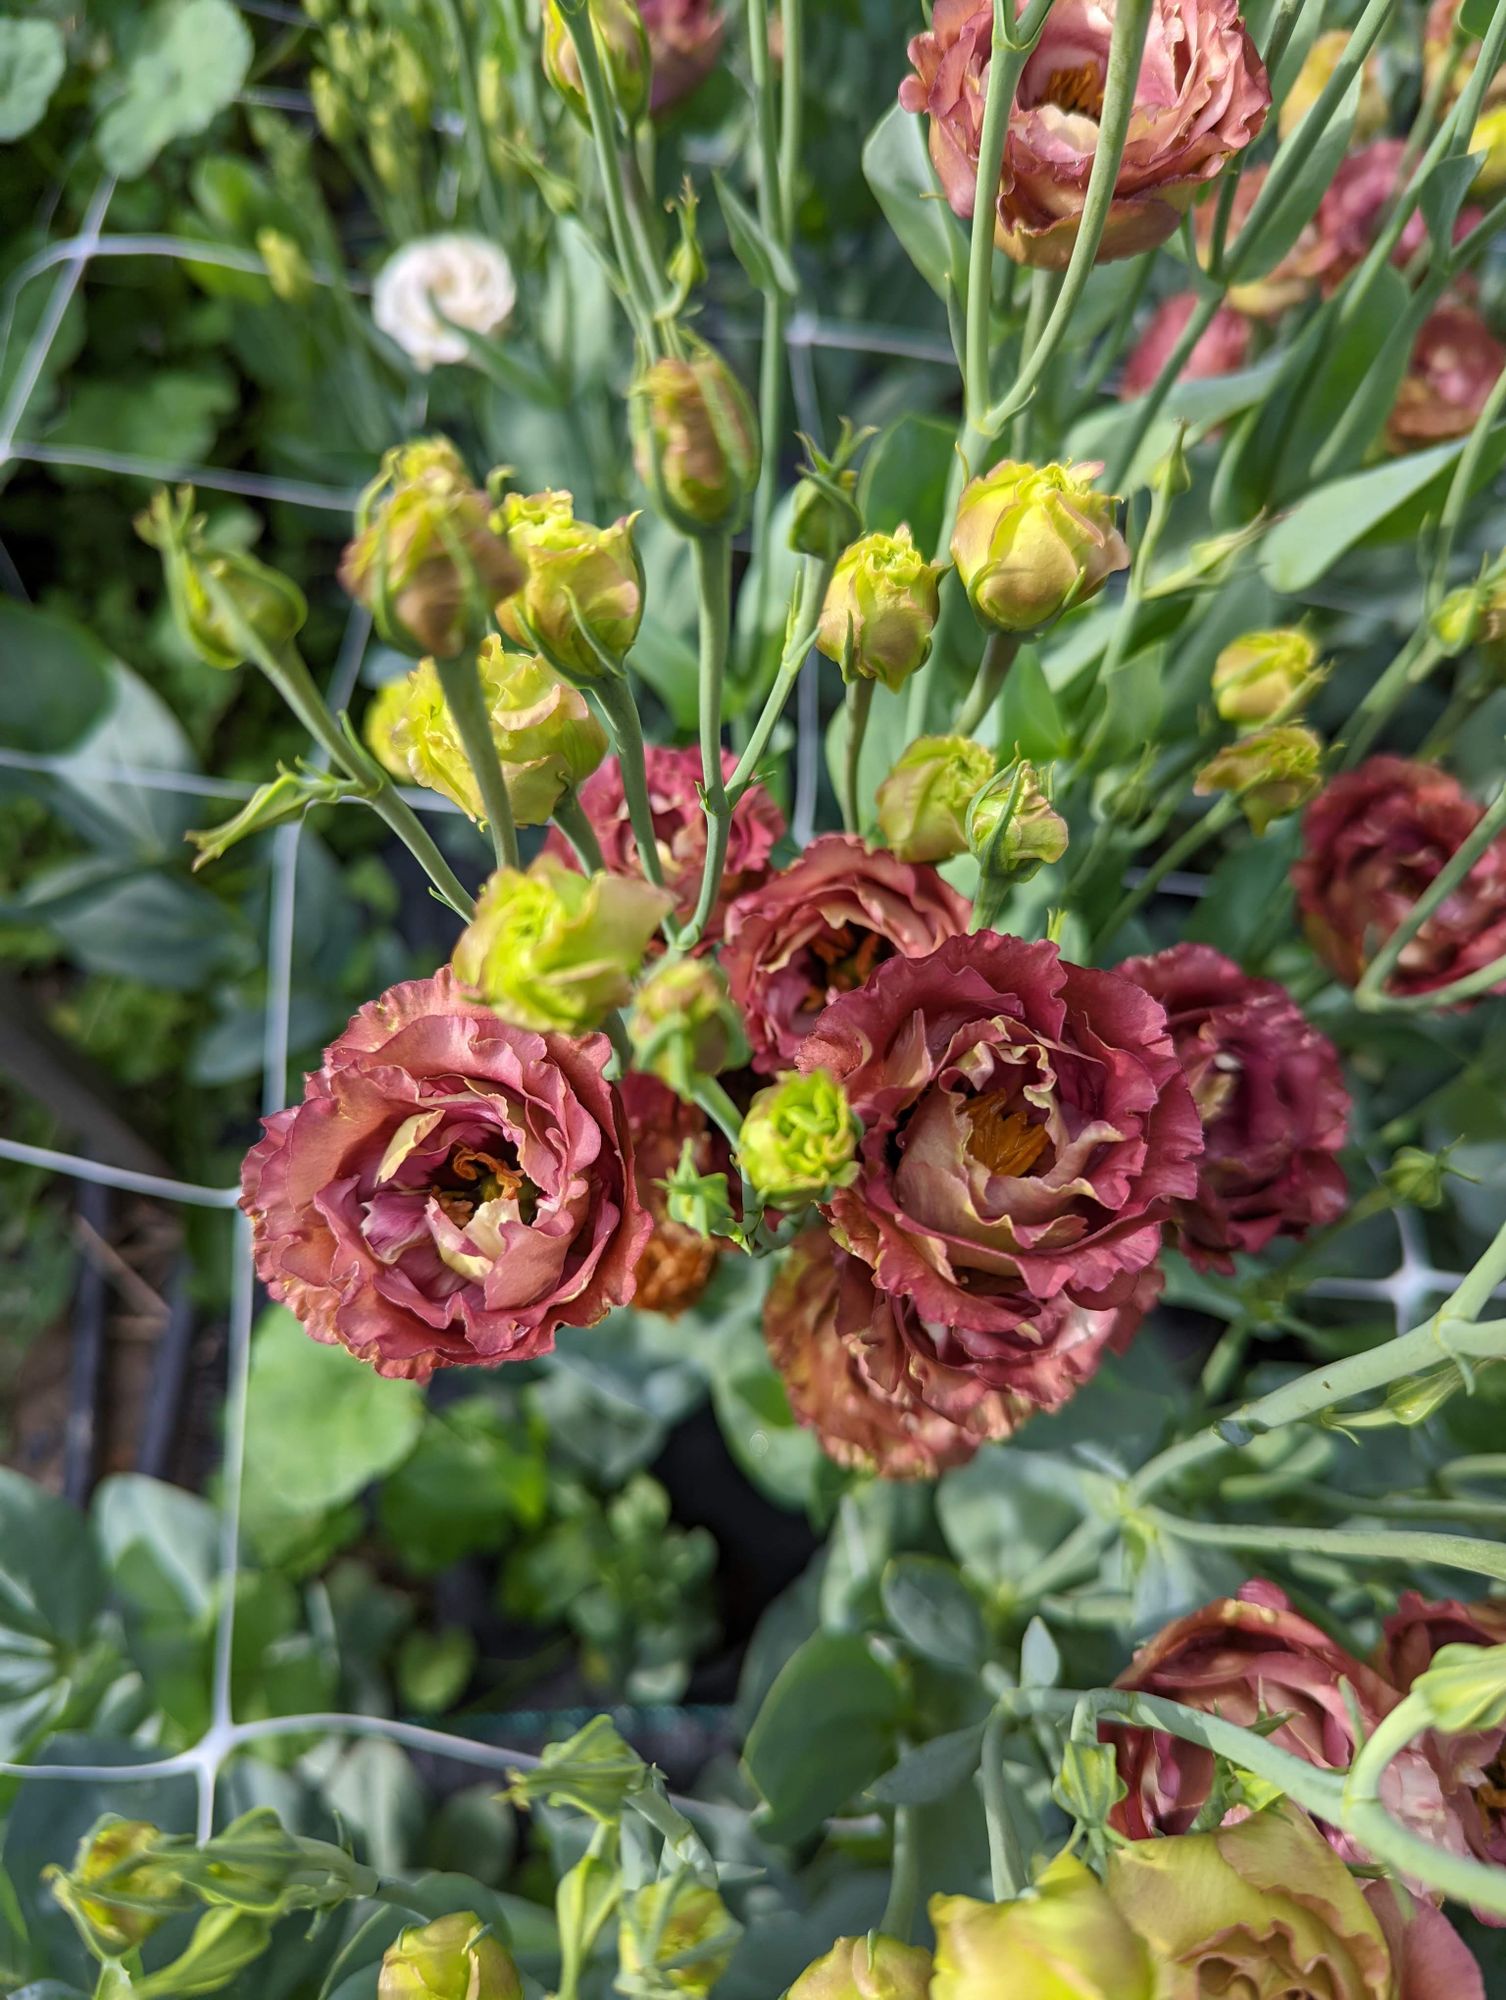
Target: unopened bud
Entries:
(824, 517)
(224, 601)
(874, 1967)
(1417, 1178)
(283, 799)
(881, 609)
(799, 1140)
(621, 42)
(700, 1201)
(1272, 773)
(582, 597)
(923, 803)
(683, 1932)
(1012, 827)
(332, 110)
(1258, 676)
(288, 270)
(695, 441)
(1032, 542)
(454, 1958)
(1088, 1786)
(1463, 1689)
(426, 559)
(683, 1024)
(117, 1874)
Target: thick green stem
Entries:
(1005, 63)
(859, 706)
(570, 818)
(1418, 1549)
(621, 711)
(1006, 1864)
(466, 700)
(998, 658)
(637, 284)
(810, 594)
(898, 1920)
(1466, 475)
(1212, 822)
(1370, 990)
(713, 567)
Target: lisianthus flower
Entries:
(452, 1190)
(685, 39)
(676, 1264)
(1271, 1097)
(434, 279)
(674, 778)
(1027, 1127)
(1455, 363)
(1202, 95)
(1372, 841)
(819, 927)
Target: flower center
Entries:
(1490, 1796)
(472, 1177)
(1079, 90)
(848, 959)
(1212, 1090)
(1001, 1138)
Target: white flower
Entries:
(468, 279)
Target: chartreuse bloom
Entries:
(1062, 1940)
(550, 949)
(799, 1139)
(874, 1967)
(683, 1023)
(623, 44)
(454, 1958)
(682, 1929)
(547, 739)
(1012, 826)
(582, 595)
(695, 441)
(881, 609)
(126, 1852)
(1258, 675)
(923, 803)
(1271, 773)
(1032, 541)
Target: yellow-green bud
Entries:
(621, 42)
(874, 1967)
(1012, 826)
(1257, 676)
(1272, 773)
(695, 441)
(685, 1931)
(427, 559)
(547, 738)
(453, 1958)
(223, 600)
(1034, 541)
(551, 949)
(923, 803)
(799, 1140)
(1463, 1689)
(288, 270)
(331, 107)
(683, 1023)
(824, 516)
(1457, 619)
(1489, 138)
(1417, 1177)
(1062, 1937)
(582, 594)
(109, 1850)
(881, 609)
(410, 80)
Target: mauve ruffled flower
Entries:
(676, 1264)
(1372, 841)
(685, 40)
(674, 778)
(1354, 206)
(819, 927)
(1247, 1658)
(1202, 95)
(1027, 1128)
(1429, 1959)
(1219, 351)
(1456, 361)
(452, 1190)
(1271, 1097)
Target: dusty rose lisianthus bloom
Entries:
(685, 40)
(818, 929)
(1372, 841)
(1202, 94)
(1219, 351)
(1027, 1127)
(451, 1190)
(1271, 1097)
(1456, 361)
(679, 828)
(676, 1264)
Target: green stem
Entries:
(898, 1920)
(1198, 835)
(475, 130)
(603, 121)
(1418, 1548)
(1150, 404)
(1485, 980)
(621, 711)
(810, 595)
(998, 658)
(791, 104)
(859, 707)
(1006, 1864)
(570, 818)
(713, 568)
(1370, 990)
(1005, 64)
(1466, 472)
(1412, 665)
(466, 700)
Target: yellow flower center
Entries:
(1079, 90)
(1003, 1140)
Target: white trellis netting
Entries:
(1407, 1289)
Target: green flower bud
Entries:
(1062, 1937)
(332, 110)
(684, 1024)
(1417, 1178)
(695, 441)
(1457, 619)
(453, 1958)
(881, 609)
(923, 803)
(866, 1968)
(799, 1140)
(1257, 676)
(118, 1858)
(1012, 827)
(1034, 541)
(582, 595)
(621, 43)
(594, 1771)
(548, 741)
(684, 1932)
(553, 949)
(288, 269)
(1463, 1689)
(825, 517)
(700, 1201)
(224, 1942)
(427, 560)
(1272, 773)
(222, 599)
(282, 799)
(1088, 1786)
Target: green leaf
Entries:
(1475, 17)
(898, 168)
(1001, 1513)
(173, 414)
(1029, 723)
(434, 1667)
(931, 1771)
(33, 56)
(1358, 370)
(764, 260)
(904, 478)
(51, 1578)
(320, 1424)
(824, 1733)
(932, 1610)
(472, 1479)
(193, 60)
(58, 682)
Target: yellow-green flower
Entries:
(117, 1855)
(799, 1139)
(582, 593)
(1489, 138)
(551, 949)
(1012, 826)
(684, 1024)
(922, 804)
(683, 1929)
(695, 441)
(1271, 773)
(622, 42)
(454, 1958)
(1062, 1940)
(1032, 541)
(874, 1967)
(881, 609)
(1259, 674)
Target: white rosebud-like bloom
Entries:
(467, 279)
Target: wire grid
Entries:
(1406, 1290)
